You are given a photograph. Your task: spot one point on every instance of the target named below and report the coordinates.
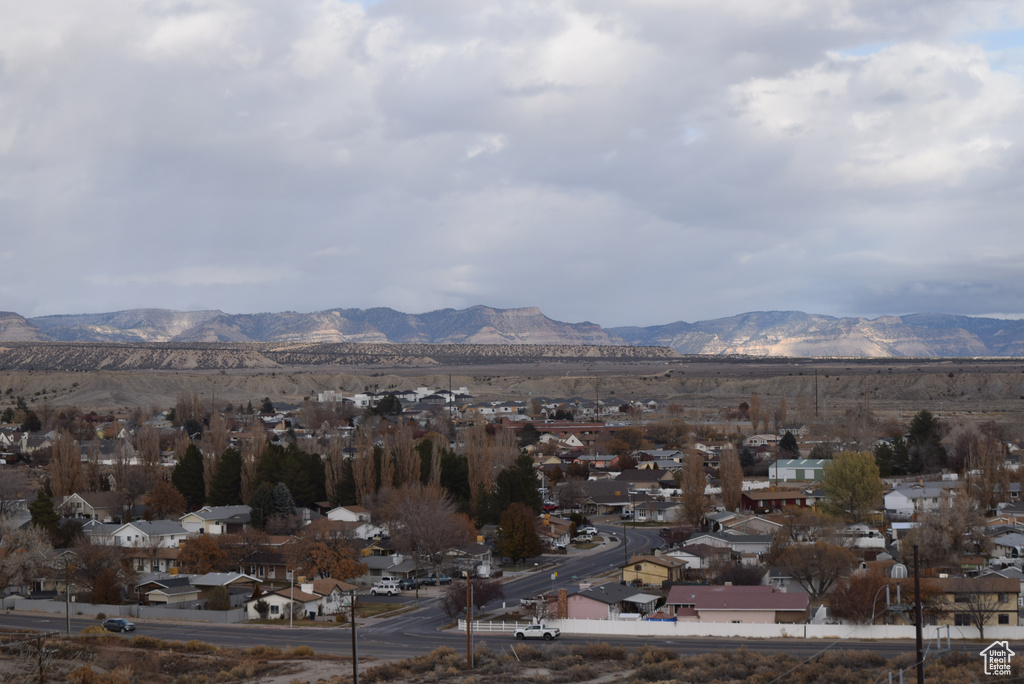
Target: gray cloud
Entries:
(622, 162)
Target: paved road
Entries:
(419, 632)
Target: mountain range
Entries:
(760, 333)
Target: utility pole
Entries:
(469, 621)
(355, 653)
(917, 614)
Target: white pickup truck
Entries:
(538, 632)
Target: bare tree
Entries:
(254, 442)
(978, 600)
(148, 450)
(426, 524)
(730, 472)
(988, 480)
(944, 532)
(755, 412)
(93, 478)
(65, 465)
(692, 482)
(816, 567)
(23, 554)
(407, 459)
(363, 468)
(14, 489)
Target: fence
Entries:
(650, 628)
(222, 617)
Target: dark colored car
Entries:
(444, 579)
(409, 583)
(118, 625)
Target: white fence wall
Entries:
(223, 617)
(650, 628)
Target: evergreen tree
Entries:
(519, 483)
(187, 477)
(788, 446)
(284, 504)
(44, 516)
(344, 493)
(262, 504)
(455, 478)
(226, 487)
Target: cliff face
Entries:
(793, 333)
(762, 333)
(16, 328)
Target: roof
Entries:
(222, 513)
(328, 584)
(664, 561)
(157, 528)
(765, 495)
(220, 579)
(100, 499)
(612, 593)
(759, 597)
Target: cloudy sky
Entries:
(628, 162)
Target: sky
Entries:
(625, 162)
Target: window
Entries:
(638, 568)
(275, 610)
(1002, 598)
(961, 620)
(1004, 619)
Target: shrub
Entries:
(101, 616)
(93, 629)
(196, 646)
(263, 651)
(299, 651)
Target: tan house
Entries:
(966, 601)
(652, 570)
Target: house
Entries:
(905, 501)
(239, 586)
(149, 534)
(646, 480)
(657, 511)
(652, 570)
(738, 544)
(699, 557)
(319, 597)
(609, 601)
(101, 506)
(554, 531)
(349, 514)
(743, 604)
(773, 500)
(170, 591)
(968, 597)
(217, 519)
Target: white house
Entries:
(149, 533)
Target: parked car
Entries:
(385, 588)
(626, 515)
(538, 632)
(443, 579)
(589, 529)
(582, 539)
(549, 506)
(410, 583)
(118, 625)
